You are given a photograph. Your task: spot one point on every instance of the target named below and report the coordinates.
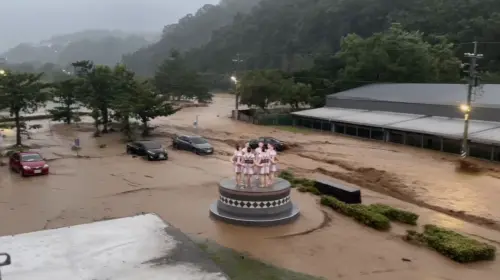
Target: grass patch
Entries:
(241, 267)
(453, 245)
(359, 212)
(394, 214)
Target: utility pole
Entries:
(473, 82)
(237, 60)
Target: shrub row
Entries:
(453, 245)
(309, 189)
(294, 181)
(395, 214)
(359, 212)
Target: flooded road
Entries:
(107, 183)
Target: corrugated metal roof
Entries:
(376, 118)
(491, 136)
(449, 94)
(327, 113)
(479, 131)
(450, 127)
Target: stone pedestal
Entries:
(254, 206)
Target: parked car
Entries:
(28, 163)
(278, 145)
(148, 149)
(196, 144)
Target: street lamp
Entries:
(465, 108)
(2, 72)
(236, 111)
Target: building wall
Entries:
(485, 114)
(425, 141)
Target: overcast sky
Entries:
(35, 20)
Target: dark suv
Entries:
(196, 144)
(278, 145)
(149, 149)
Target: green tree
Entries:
(396, 55)
(260, 88)
(148, 104)
(64, 94)
(295, 94)
(21, 93)
(125, 89)
(174, 80)
(97, 91)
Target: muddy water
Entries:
(111, 184)
(427, 176)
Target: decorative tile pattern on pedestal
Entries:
(254, 204)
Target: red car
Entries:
(28, 164)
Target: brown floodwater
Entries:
(108, 184)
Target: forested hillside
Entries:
(102, 46)
(283, 33)
(192, 31)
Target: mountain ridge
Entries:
(85, 44)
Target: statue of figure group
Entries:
(261, 162)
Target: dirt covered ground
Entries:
(107, 183)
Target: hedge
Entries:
(453, 245)
(361, 213)
(287, 175)
(395, 214)
(295, 182)
(368, 215)
(309, 189)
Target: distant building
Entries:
(421, 115)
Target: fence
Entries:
(273, 118)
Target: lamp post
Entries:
(237, 97)
(2, 72)
(466, 108)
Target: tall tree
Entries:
(64, 94)
(125, 89)
(396, 55)
(96, 91)
(21, 93)
(295, 94)
(148, 104)
(175, 80)
(260, 88)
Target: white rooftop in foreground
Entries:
(479, 131)
(121, 249)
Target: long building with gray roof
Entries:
(422, 115)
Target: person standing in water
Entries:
(249, 165)
(273, 166)
(237, 162)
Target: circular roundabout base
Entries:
(254, 205)
(254, 221)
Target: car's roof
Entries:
(29, 153)
(146, 141)
(268, 137)
(192, 136)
